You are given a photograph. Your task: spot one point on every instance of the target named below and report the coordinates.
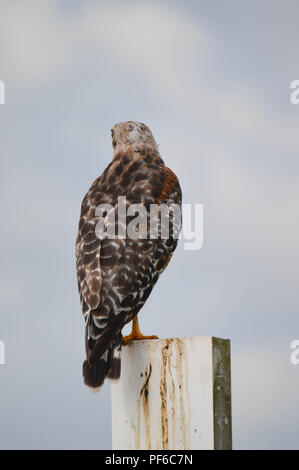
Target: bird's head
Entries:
(133, 135)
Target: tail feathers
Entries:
(94, 373)
(95, 370)
(115, 361)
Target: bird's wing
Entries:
(94, 255)
(128, 280)
(113, 272)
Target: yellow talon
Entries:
(136, 333)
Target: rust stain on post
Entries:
(180, 355)
(174, 411)
(172, 396)
(143, 402)
(163, 394)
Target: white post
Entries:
(173, 394)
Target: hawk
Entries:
(116, 274)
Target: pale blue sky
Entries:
(212, 81)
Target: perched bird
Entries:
(117, 274)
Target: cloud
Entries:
(39, 42)
(35, 42)
(163, 47)
(264, 383)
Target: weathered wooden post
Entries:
(173, 394)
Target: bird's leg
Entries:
(136, 333)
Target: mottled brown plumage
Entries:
(116, 276)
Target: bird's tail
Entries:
(103, 359)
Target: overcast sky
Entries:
(212, 81)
